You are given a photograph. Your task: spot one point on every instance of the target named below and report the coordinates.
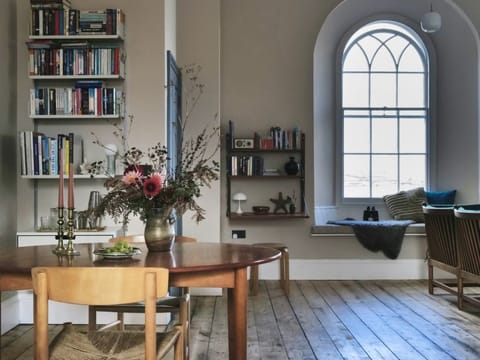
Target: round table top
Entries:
(184, 257)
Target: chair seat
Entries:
(167, 304)
(106, 345)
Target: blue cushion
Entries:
(441, 197)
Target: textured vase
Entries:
(160, 230)
(291, 167)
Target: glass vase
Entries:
(160, 230)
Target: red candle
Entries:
(70, 187)
(60, 177)
(70, 172)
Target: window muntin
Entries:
(384, 111)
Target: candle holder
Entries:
(60, 249)
(70, 250)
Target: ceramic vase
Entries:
(291, 167)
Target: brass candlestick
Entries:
(70, 250)
(60, 249)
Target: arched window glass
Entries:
(384, 111)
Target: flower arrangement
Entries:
(148, 182)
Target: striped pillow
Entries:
(406, 205)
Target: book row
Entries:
(41, 154)
(59, 19)
(246, 165)
(75, 101)
(279, 139)
(82, 60)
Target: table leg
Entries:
(237, 317)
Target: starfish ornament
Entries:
(281, 203)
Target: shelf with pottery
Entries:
(246, 164)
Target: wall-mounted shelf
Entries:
(250, 164)
(269, 216)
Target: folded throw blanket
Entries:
(385, 235)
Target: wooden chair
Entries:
(442, 252)
(179, 304)
(468, 235)
(102, 286)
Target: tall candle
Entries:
(70, 171)
(60, 174)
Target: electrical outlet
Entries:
(239, 234)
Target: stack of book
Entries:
(56, 17)
(246, 165)
(39, 153)
(279, 139)
(87, 98)
(78, 58)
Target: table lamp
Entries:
(239, 197)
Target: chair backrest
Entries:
(97, 286)
(468, 234)
(140, 239)
(441, 234)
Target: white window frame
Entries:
(423, 48)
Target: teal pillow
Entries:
(441, 197)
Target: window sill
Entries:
(327, 230)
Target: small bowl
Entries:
(260, 209)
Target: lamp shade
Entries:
(431, 22)
(239, 196)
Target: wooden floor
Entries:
(326, 320)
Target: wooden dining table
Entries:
(215, 265)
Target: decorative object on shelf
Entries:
(243, 144)
(291, 166)
(261, 210)
(281, 203)
(239, 197)
(111, 153)
(60, 249)
(148, 183)
(431, 21)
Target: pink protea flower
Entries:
(132, 177)
(153, 185)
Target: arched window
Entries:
(384, 111)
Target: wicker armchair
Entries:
(468, 235)
(442, 247)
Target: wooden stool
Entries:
(284, 268)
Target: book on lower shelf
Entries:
(39, 153)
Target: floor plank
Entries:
(327, 320)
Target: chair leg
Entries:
(121, 321)
(92, 319)
(460, 293)
(430, 279)
(286, 269)
(254, 280)
(184, 318)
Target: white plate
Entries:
(117, 255)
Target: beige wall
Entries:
(198, 42)
(8, 138)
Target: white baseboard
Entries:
(10, 310)
(348, 269)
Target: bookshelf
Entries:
(75, 77)
(248, 161)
